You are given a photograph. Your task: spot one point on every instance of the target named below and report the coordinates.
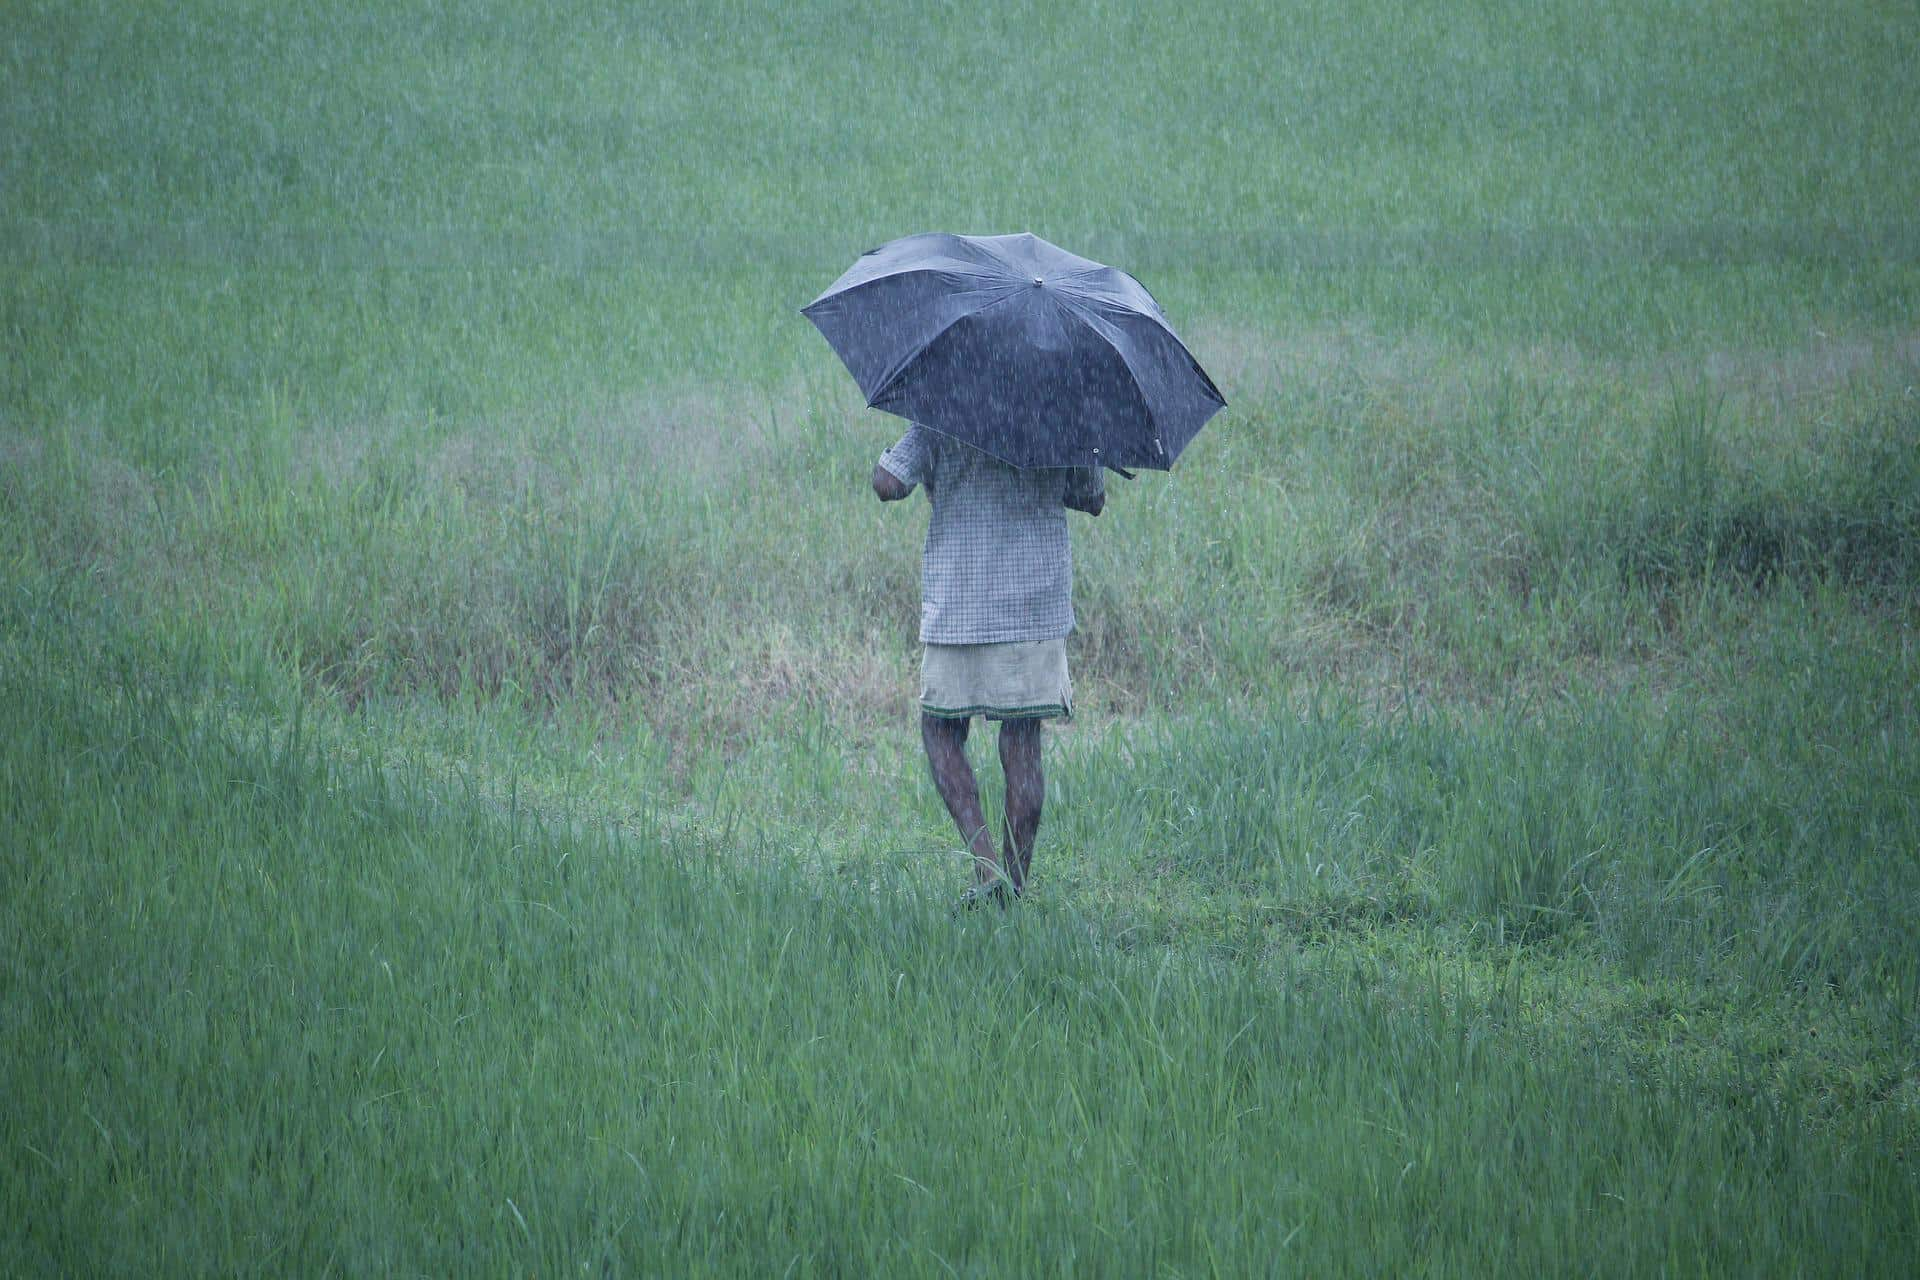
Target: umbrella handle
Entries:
(1122, 471)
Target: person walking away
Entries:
(996, 581)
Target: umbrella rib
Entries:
(1109, 330)
(953, 266)
(892, 375)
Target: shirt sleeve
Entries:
(911, 458)
(1084, 484)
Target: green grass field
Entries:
(461, 809)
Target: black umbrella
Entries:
(1019, 348)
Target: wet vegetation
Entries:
(462, 807)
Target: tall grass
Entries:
(461, 804)
(271, 1012)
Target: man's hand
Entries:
(887, 486)
(1085, 491)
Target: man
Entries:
(996, 581)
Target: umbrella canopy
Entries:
(1019, 348)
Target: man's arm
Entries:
(908, 463)
(887, 486)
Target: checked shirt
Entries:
(997, 565)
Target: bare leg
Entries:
(1026, 793)
(946, 743)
